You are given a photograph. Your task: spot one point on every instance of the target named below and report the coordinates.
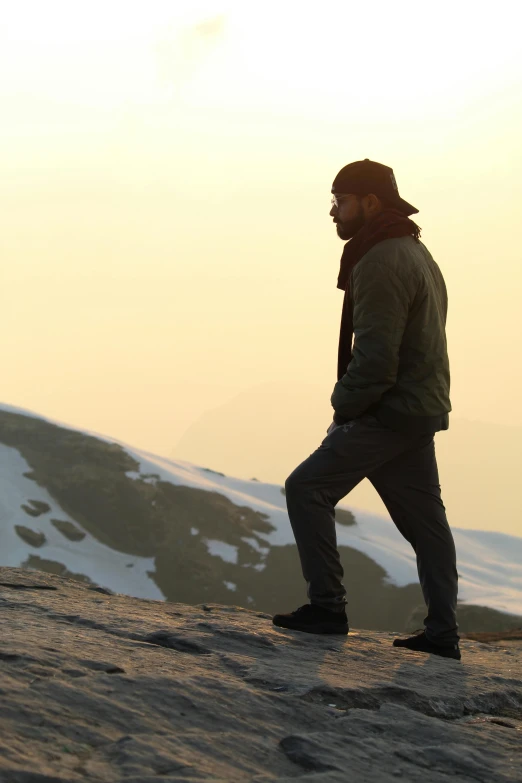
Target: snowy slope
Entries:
(488, 562)
(103, 565)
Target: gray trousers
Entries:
(403, 469)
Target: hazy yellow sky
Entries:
(166, 170)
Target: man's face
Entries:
(349, 215)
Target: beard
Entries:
(346, 229)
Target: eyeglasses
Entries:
(337, 197)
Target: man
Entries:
(391, 396)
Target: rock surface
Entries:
(105, 687)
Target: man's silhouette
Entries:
(391, 396)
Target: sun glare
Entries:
(281, 56)
(291, 56)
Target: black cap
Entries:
(367, 176)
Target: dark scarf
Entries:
(388, 224)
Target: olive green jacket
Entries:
(399, 369)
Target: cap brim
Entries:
(408, 209)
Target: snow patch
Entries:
(256, 545)
(89, 557)
(226, 552)
(230, 585)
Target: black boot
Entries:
(313, 619)
(419, 643)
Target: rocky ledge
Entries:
(103, 687)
